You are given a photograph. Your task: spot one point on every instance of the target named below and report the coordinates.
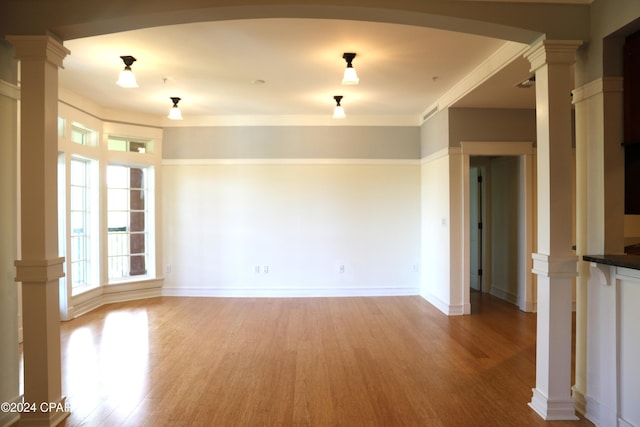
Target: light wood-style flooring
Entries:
(374, 361)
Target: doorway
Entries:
(499, 221)
(495, 233)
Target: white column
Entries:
(600, 203)
(554, 263)
(40, 267)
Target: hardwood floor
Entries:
(375, 361)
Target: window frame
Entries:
(148, 232)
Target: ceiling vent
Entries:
(529, 83)
(429, 113)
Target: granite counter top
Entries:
(627, 261)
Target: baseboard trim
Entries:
(114, 294)
(504, 295)
(592, 410)
(448, 309)
(286, 293)
(580, 401)
(10, 418)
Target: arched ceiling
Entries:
(409, 52)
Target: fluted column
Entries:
(40, 267)
(554, 263)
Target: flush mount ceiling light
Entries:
(174, 112)
(338, 111)
(350, 75)
(127, 78)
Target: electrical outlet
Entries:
(265, 269)
(256, 269)
(342, 269)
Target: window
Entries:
(62, 124)
(128, 204)
(83, 135)
(82, 254)
(129, 145)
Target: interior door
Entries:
(475, 227)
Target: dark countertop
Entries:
(627, 261)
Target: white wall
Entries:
(435, 282)
(286, 228)
(9, 314)
(506, 224)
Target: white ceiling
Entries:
(213, 66)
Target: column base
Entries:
(552, 410)
(49, 414)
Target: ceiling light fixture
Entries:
(350, 75)
(174, 112)
(127, 78)
(338, 112)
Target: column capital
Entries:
(552, 52)
(33, 48)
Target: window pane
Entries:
(117, 177)
(78, 223)
(78, 172)
(117, 221)
(82, 273)
(78, 248)
(137, 221)
(117, 145)
(78, 198)
(127, 221)
(118, 199)
(79, 273)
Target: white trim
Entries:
(293, 120)
(293, 161)
(86, 106)
(592, 410)
(504, 295)
(597, 87)
(448, 309)
(287, 292)
(506, 54)
(9, 90)
(552, 410)
(444, 152)
(492, 148)
(109, 294)
(10, 418)
(623, 423)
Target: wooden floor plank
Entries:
(375, 361)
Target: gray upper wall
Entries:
(611, 22)
(471, 124)
(8, 65)
(434, 133)
(450, 127)
(292, 142)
